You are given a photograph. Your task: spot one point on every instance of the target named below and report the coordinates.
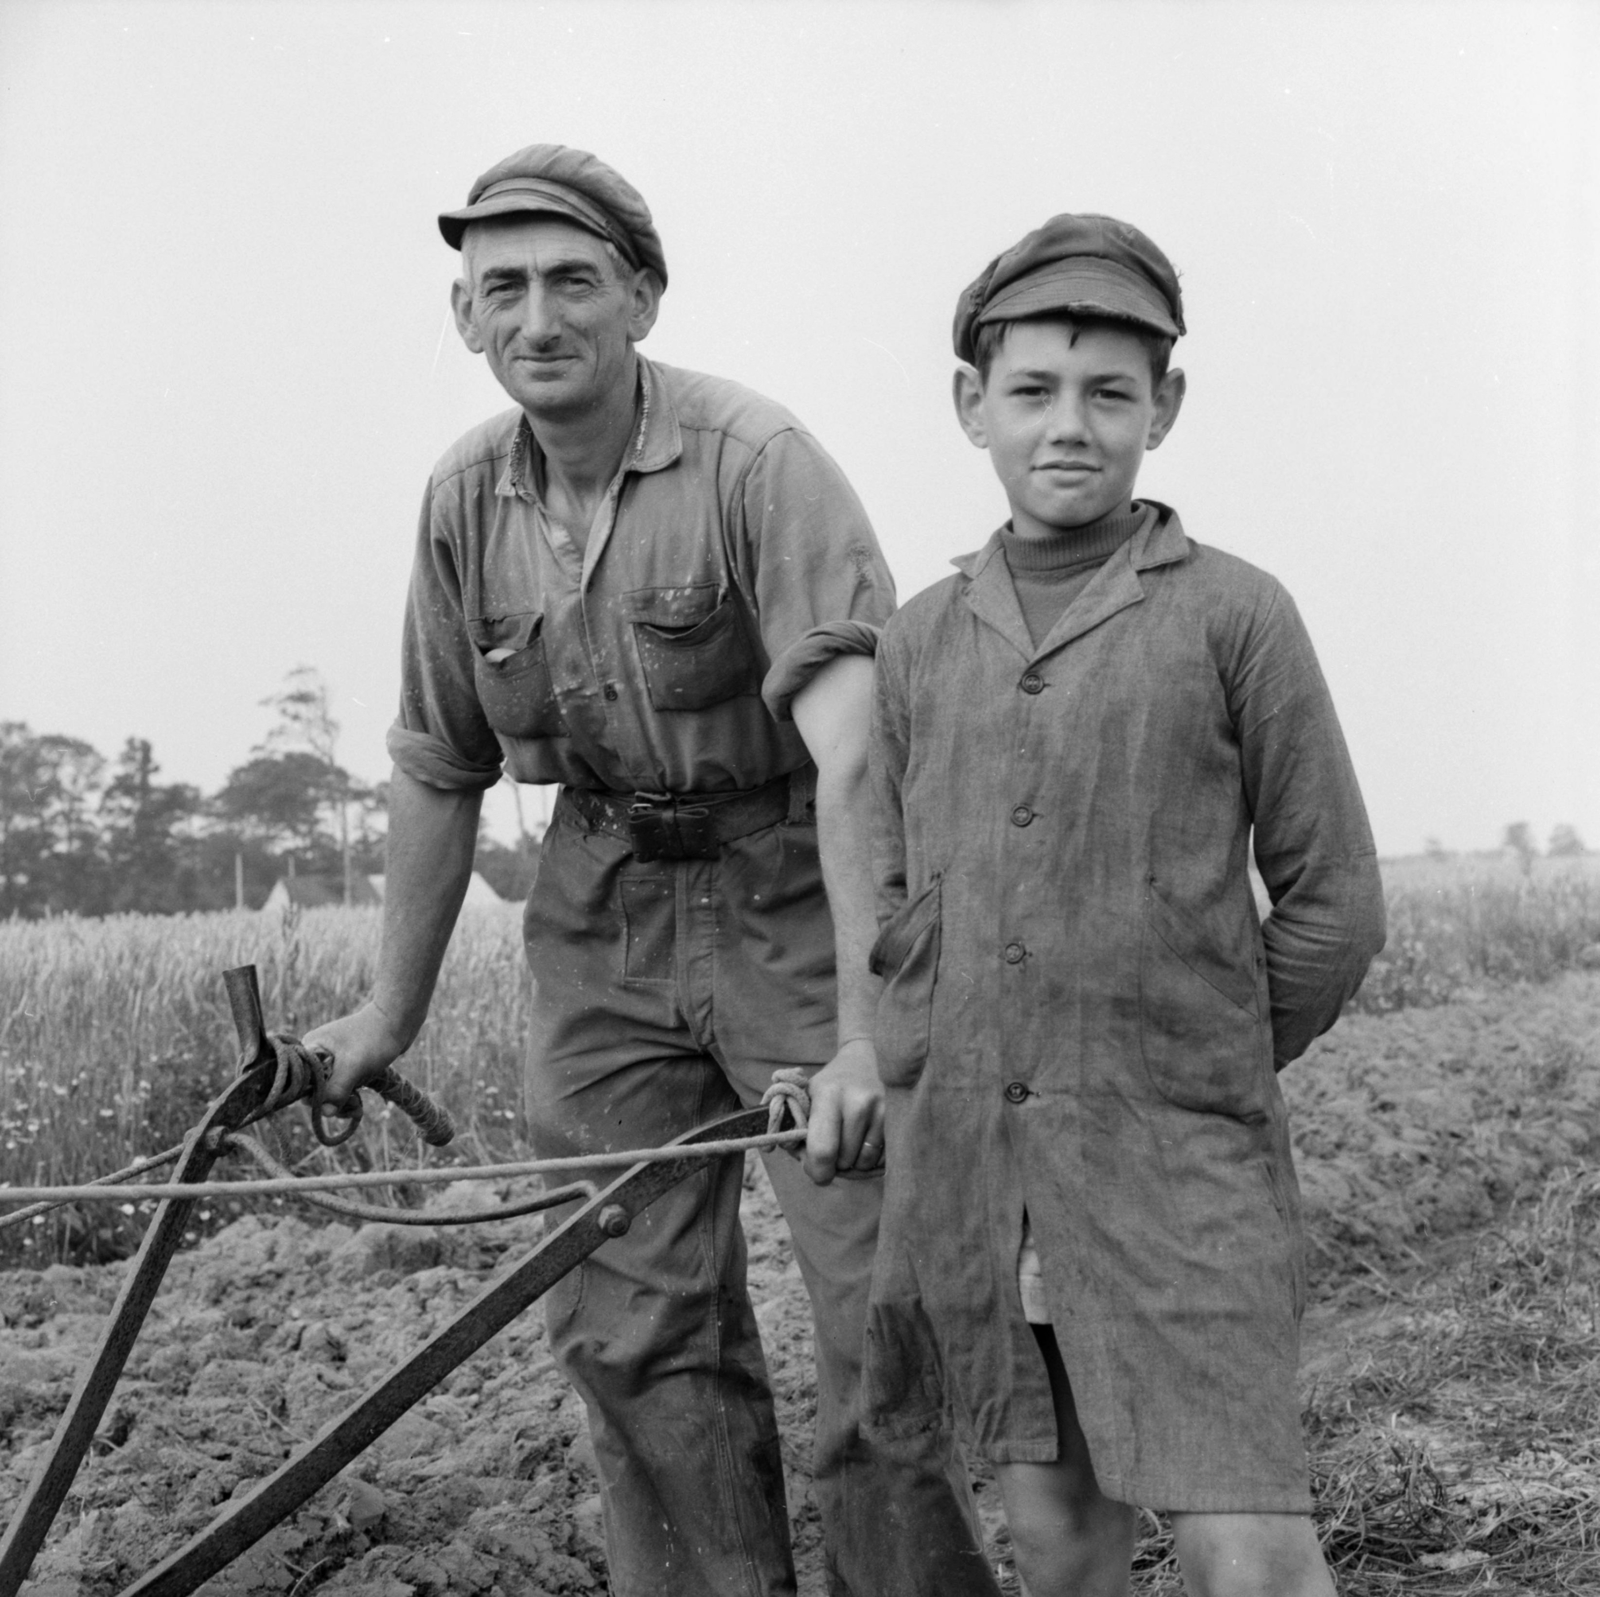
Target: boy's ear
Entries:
(967, 390)
(1168, 402)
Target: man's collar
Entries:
(660, 442)
(656, 442)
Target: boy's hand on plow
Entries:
(841, 1108)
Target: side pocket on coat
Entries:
(1206, 1045)
(906, 955)
(1278, 1179)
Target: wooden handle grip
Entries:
(434, 1124)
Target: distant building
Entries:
(479, 892)
(317, 892)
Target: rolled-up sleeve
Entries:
(441, 736)
(822, 586)
(888, 756)
(1313, 844)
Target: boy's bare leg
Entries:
(1070, 1539)
(1250, 1555)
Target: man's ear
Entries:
(966, 389)
(644, 303)
(1168, 402)
(466, 325)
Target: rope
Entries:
(372, 1211)
(138, 1168)
(108, 1190)
(789, 1092)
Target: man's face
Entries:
(1066, 414)
(545, 304)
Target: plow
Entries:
(275, 1071)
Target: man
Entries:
(654, 588)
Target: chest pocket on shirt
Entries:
(693, 646)
(513, 675)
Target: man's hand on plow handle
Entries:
(357, 1051)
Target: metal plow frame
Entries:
(608, 1213)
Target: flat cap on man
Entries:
(555, 180)
(1074, 265)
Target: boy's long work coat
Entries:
(1083, 1015)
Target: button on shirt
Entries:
(729, 562)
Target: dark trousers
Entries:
(667, 994)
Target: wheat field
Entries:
(114, 1033)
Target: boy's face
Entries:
(1067, 413)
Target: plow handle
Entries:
(244, 1003)
(433, 1123)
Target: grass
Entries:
(115, 1034)
(1455, 1440)
(1456, 925)
(1461, 1443)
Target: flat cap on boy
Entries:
(1085, 265)
(555, 180)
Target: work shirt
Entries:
(1083, 1015)
(729, 562)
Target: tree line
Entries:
(83, 835)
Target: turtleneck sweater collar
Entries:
(1072, 546)
(1048, 573)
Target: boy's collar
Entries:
(1162, 543)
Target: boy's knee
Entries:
(1251, 1555)
(1066, 1535)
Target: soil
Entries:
(268, 1329)
(264, 1331)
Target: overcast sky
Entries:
(226, 366)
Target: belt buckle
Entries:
(697, 837)
(660, 828)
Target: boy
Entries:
(1091, 1207)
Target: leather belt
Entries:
(680, 825)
